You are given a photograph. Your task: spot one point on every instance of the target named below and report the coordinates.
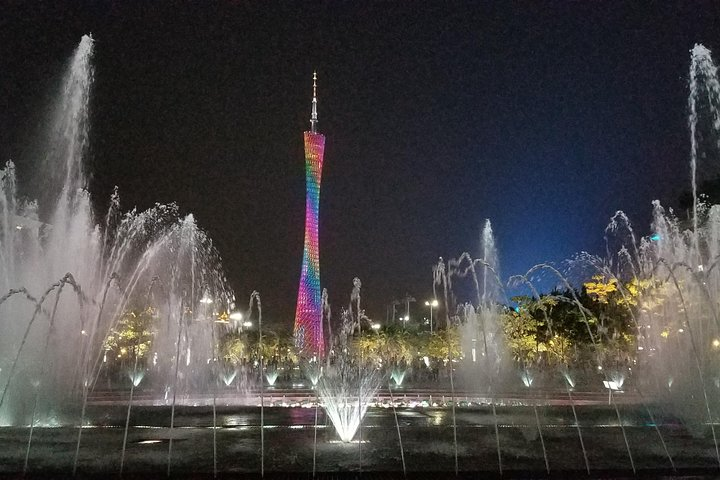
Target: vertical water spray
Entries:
(490, 263)
(346, 387)
(255, 298)
(704, 96)
(55, 246)
(108, 265)
(481, 322)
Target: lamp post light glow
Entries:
(206, 301)
(432, 304)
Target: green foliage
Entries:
(234, 347)
(522, 330)
(555, 330)
(560, 350)
(133, 335)
(391, 345)
(444, 345)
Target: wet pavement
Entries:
(515, 441)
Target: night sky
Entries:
(545, 117)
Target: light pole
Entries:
(206, 301)
(432, 304)
(236, 317)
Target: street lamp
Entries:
(432, 304)
(236, 317)
(205, 300)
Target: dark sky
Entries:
(545, 117)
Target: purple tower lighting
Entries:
(308, 312)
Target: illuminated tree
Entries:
(559, 350)
(234, 347)
(521, 330)
(599, 290)
(133, 335)
(444, 345)
(399, 346)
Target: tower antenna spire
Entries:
(313, 117)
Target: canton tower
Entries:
(308, 312)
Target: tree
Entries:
(444, 344)
(544, 330)
(599, 290)
(407, 299)
(234, 347)
(399, 346)
(559, 350)
(521, 333)
(133, 335)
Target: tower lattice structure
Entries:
(308, 329)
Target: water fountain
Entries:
(674, 276)
(313, 370)
(480, 332)
(271, 375)
(346, 391)
(347, 386)
(228, 376)
(398, 375)
(72, 284)
(153, 258)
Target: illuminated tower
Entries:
(308, 313)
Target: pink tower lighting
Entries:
(308, 312)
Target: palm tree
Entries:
(394, 303)
(407, 299)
